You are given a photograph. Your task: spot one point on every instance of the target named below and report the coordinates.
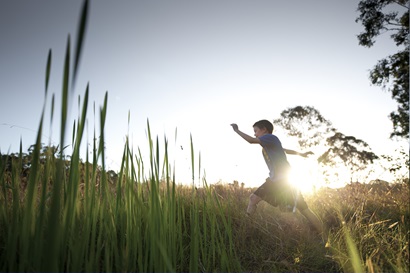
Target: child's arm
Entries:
(248, 138)
(292, 152)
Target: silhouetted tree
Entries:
(398, 164)
(314, 131)
(354, 153)
(306, 124)
(391, 73)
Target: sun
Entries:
(303, 174)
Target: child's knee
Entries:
(254, 199)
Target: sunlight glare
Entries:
(303, 175)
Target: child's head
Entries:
(264, 124)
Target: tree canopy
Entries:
(354, 153)
(391, 73)
(314, 131)
(305, 123)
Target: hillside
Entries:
(154, 225)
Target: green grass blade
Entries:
(101, 149)
(52, 111)
(53, 230)
(29, 217)
(48, 68)
(80, 39)
(354, 256)
(192, 161)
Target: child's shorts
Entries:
(281, 193)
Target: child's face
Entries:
(259, 131)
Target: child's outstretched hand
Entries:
(234, 126)
(307, 154)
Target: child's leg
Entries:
(314, 220)
(259, 195)
(253, 201)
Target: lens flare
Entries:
(303, 175)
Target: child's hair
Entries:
(264, 124)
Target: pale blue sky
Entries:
(197, 66)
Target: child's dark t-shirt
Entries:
(274, 156)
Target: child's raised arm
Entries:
(248, 138)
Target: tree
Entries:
(392, 73)
(335, 149)
(397, 164)
(305, 123)
(354, 153)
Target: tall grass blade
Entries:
(195, 237)
(353, 252)
(199, 167)
(73, 133)
(53, 230)
(13, 222)
(192, 161)
(52, 113)
(74, 175)
(80, 39)
(48, 68)
(151, 159)
(29, 212)
(64, 98)
(156, 162)
(101, 149)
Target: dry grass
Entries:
(375, 217)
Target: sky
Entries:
(193, 67)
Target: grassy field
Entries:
(101, 221)
(72, 215)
